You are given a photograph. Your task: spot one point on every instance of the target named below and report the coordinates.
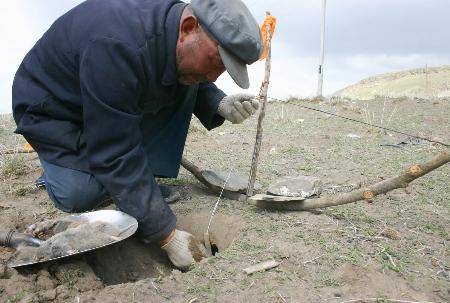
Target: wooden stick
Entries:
(261, 267)
(259, 130)
(16, 151)
(197, 172)
(367, 193)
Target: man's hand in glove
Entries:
(236, 108)
(183, 249)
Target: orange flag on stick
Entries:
(271, 22)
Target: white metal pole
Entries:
(322, 46)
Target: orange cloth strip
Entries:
(270, 21)
(28, 147)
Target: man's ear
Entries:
(188, 25)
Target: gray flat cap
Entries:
(237, 32)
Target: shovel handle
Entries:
(11, 238)
(197, 172)
(193, 169)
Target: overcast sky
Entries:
(363, 38)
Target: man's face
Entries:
(198, 59)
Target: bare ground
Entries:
(395, 248)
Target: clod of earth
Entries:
(299, 186)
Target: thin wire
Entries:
(218, 200)
(362, 122)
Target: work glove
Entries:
(236, 108)
(184, 250)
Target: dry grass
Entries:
(425, 83)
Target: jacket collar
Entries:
(172, 28)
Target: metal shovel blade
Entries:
(232, 186)
(124, 223)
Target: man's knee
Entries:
(72, 190)
(75, 197)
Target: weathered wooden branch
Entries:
(259, 130)
(367, 193)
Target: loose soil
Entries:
(394, 247)
(77, 237)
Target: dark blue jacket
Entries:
(99, 93)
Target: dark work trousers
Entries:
(71, 190)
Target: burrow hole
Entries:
(131, 260)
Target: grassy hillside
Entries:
(431, 82)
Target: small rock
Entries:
(63, 292)
(391, 233)
(31, 298)
(44, 281)
(337, 294)
(177, 275)
(434, 262)
(443, 274)
(48, 295)
(353, 136)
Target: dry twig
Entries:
(282, 298)
(312, 260)
(16, 151)
(261, 267)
